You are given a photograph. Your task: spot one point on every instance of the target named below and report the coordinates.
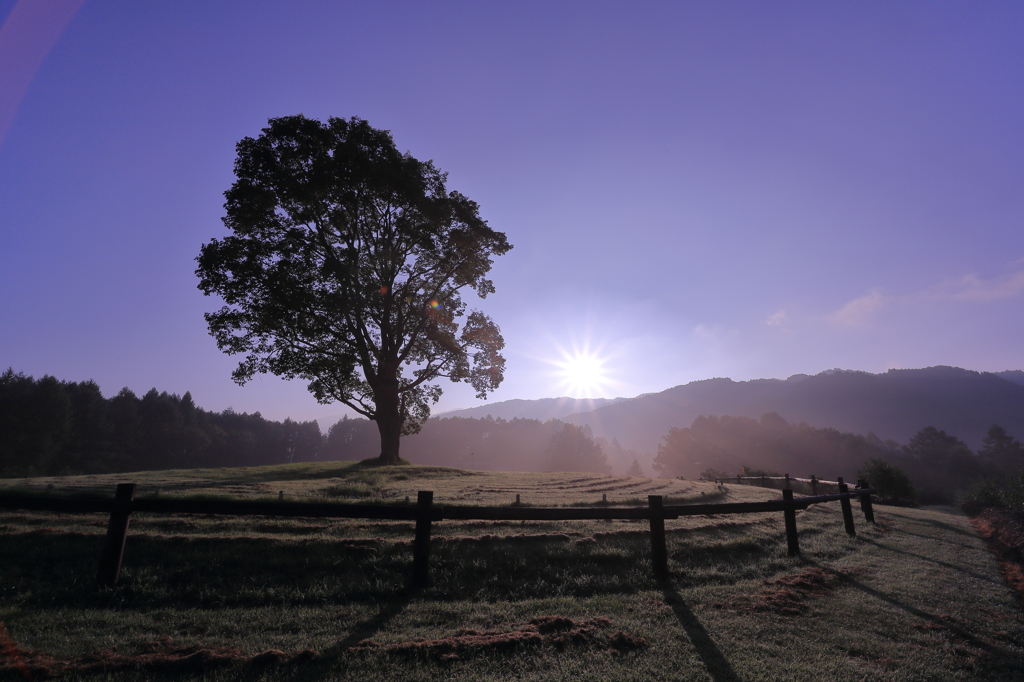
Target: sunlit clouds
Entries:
(974, 288)
(858, 312)
(967, 289)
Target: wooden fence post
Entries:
(847, 508)
(814, 484)
(865, 502)
(117, 532)
(421, 545)
(659, 554)
(790, 515)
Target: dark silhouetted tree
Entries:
(345, 267)
(939, 464)
(1001, 451)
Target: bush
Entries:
(888, 479)
(1007, 492)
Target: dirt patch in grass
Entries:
(162, 655)
(789, 595)
(558, 631)
(156, 655)
(1003, 530)
(516, 538)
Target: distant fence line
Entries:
(425, 513)
(814, 482)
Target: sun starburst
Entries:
(583, 373)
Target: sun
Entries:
(582, 373)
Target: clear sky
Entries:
(693, 189)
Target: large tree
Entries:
(345, 267)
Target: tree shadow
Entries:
(714, 660)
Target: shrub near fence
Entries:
(425, 513)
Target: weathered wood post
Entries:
(814, 484)
(865, 502)
(421, 545)
(847, 508)
(659, 553)
(117, 533)
(790, 515)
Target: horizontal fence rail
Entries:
(424, 513)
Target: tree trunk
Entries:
(389, 424)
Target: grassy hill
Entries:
(917, 596)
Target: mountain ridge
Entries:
(892, 405)
(540, 408)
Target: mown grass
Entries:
(915, 597)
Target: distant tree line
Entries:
(932, 467)
(51, 427)
(487, 444)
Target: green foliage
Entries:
(345, 267)
(888, 479)
(1006, 492)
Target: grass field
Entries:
(915, 597)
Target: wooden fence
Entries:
(425, 513)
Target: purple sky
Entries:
(693, 189)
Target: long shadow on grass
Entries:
(944, 564)
(940, 524)
(714, 660)
(932, 538)
(371, 626)
(935, 620)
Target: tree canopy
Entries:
(345, 267)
